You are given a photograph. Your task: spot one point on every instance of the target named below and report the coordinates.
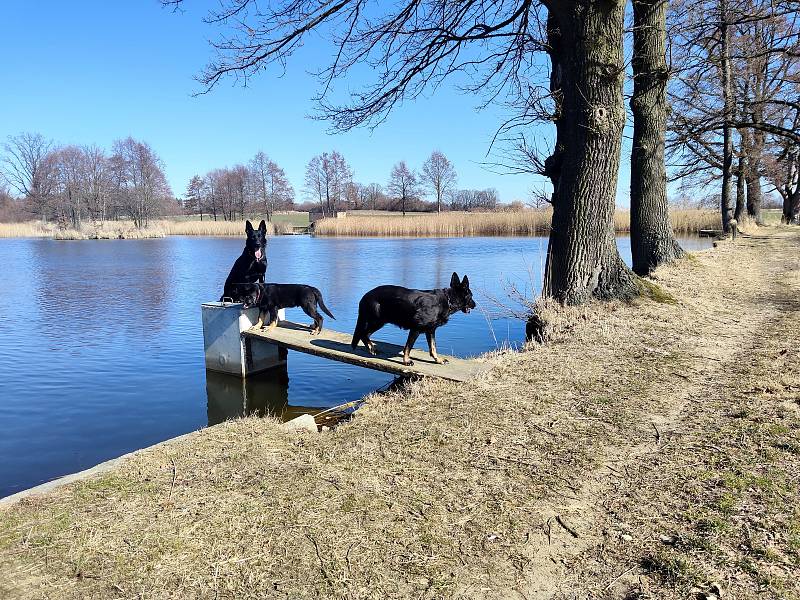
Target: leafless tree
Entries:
(374, 196)
(27, 170)
(475, 200)
(734, 73)
(271, 186)
(70, 185)
(96, 181)
(139, 183)
(440, 177)
(403, 185)
(327, 178)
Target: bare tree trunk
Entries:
(727, 129)
(652, 239)
(753, 177)
(740, 188)
(583, 260)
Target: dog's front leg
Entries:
(431, 337)
(412, 338)
(260, 322)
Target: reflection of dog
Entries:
(271, 297)
(416, 310)
(252, 264)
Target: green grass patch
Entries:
(295, 219)
(654, 292)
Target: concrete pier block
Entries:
(226, 350)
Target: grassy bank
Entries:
(458, 224)
(126, 229)
(649, 450)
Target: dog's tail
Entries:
(321, 304)
(360, 326)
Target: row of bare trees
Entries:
(330, 185)
(70, 184)
(735, 99)
(261, 187)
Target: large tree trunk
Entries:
(740, 188)
(588, 69)
(652, 240)
(727, 130)
(752, 175)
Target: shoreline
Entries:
(687, 222)
(565, 466)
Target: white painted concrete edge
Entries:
(298, 423)
(103, 467)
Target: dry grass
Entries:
(460, 224)
(126, 230)
(212, 228)
(449, 490)
(30, 229)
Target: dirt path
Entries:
(648, 451)
(711, 506)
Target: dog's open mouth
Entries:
(258, 253)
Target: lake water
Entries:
(101, 343)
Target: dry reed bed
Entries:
(126, 229)
(441, 490)
(459, 224)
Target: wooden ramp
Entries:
(334, 345)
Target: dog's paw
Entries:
(410, 363)
(441, 361)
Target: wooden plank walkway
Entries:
(335, 345)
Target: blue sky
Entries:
(91, 72)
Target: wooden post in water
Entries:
(227, 350)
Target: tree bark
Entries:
(740, 188)
(652, 239)
(752, 175)
(588, 69)
(727, 129)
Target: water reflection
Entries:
(264, 394)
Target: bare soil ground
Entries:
(649, 450)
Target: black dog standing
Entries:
(252, 264)
(271, 297)
(419, 311)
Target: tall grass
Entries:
(460, 224)
(30, 229)
(224, 228)
(113, 230)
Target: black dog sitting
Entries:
(271, 297)
(252, 264)
(416, 310)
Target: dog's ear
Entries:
(454, 281)
(465, 282)
(248, 228)
(263, 227)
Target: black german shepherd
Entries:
(271, 297)
(252, 264)
(419, 311)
